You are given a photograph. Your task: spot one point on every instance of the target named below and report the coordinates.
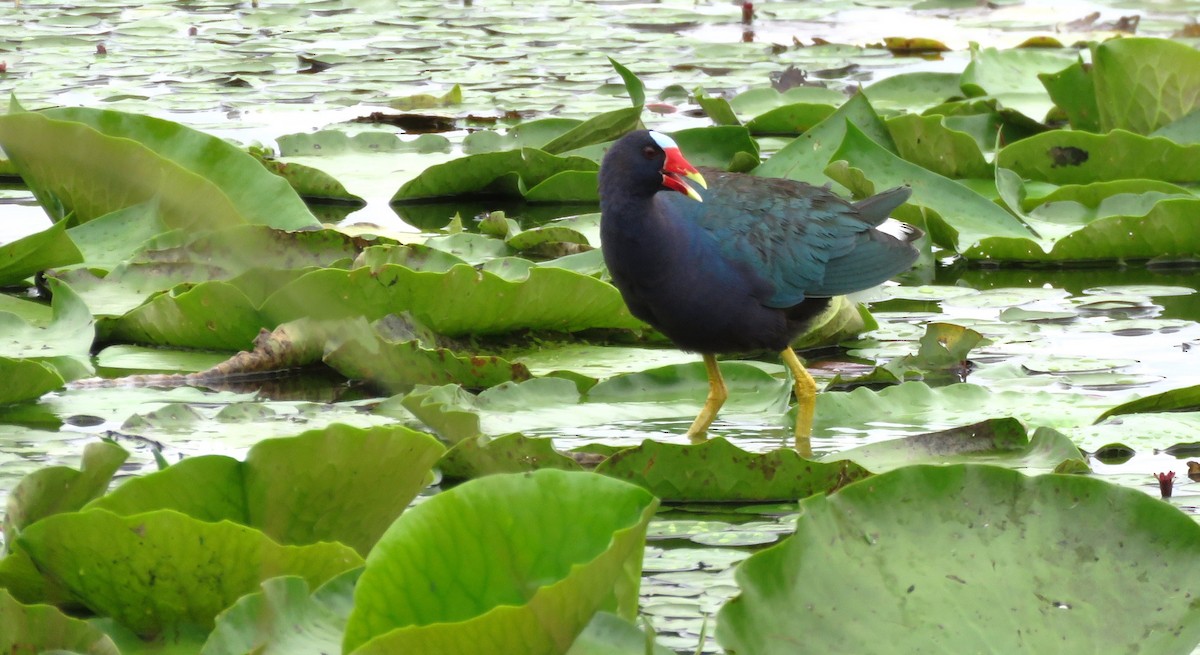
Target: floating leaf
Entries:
(967, 217)
(1010, 76)
(507, 173)
(1000, 441)
(91, 162)
(928, 142)
(609, 634)
(26, 379)
(1073, 90)
(989, 528)
(161, 570)
(1143, 84)
(510, 453)
(806, 157)
(1071, 157)
(457, 596)
(30, 629)
(57, 489)
(285, 618)
(718, 471)
(338, 484)
(49, 248)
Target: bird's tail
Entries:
(877, 208)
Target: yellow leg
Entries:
(806, 401)
(717, 393)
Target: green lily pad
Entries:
(284, 617)
(107, 241)
(323, 485)
(49, 248)
(32, 629)
(64, 344)
(665, 392)
(501, 595)
(509, 453)
(718, 471)
(1073, 90)
(806, 158)
(913, 92)
(1166, 231)
(458, 302)
(1073, 157)
(57, 489)
(928, 142)
(26, 379)
(1175, 400)
(989, 529)
(965, 217)
(162, 569)
(597, 129)
(510, 173)
(1001, 441)
(107, 160)
(917, 404)
(789, 120)
(397, 362)
(1143, 84)
(1011, 77)
(609, 634)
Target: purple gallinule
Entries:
(740, 263)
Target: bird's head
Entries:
(674, 167)
(645, 162)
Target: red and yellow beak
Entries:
(676, 169)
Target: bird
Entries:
(725, 263)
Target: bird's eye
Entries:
(649, 152)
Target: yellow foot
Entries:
(806, 400)
(717, 393)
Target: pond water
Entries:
(1084, 339)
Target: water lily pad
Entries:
(460, 301)
(64, 344)
(56, 489)
(913, 92)
(1143, 84)
(286, 617)
(46, 249)
(1074, 157)
(26, 379)
(162, 569)
(1011, 76)
(323, 485)
(509, 453)
(118, 160)
(965, 216)
(609, 634)
(806, 157)
(44, 629)
(989, 527)
(928, 142)
(539, 604)
(1003, 442)
(716, 470)
(510, 172)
